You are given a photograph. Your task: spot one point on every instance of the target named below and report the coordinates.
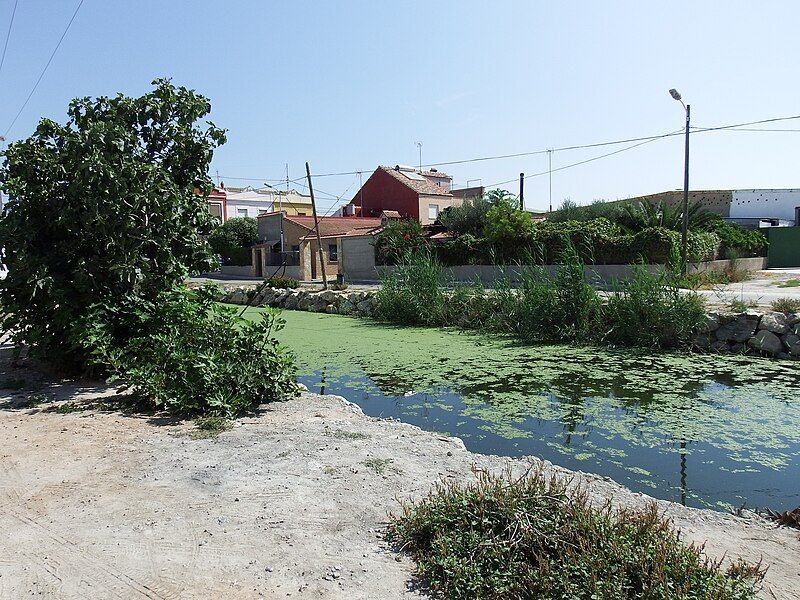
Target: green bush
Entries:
(650, 310)
(740, 242)
(283, 283)
(533, 537)
(103, 210)
(465, 249)
(412, 294)
(467, 219)
(198, 357)
(398, 239)
(507, 231)
(786, 305)
(233, 238)
(589, 238)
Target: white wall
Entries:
(253, 207)
(764, 204)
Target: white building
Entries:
(781, 205)
(247, 201)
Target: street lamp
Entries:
(685, 227)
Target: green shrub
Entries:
(233, 238)
(199, 357)
(588, 238)
(412, 294)
(508, 231)
(533, 538)
(283, 283)
(786, 305)
(467, 219)
(741, 242)
(106, 209)
(398, 239)
(650, 310)
(465, 249)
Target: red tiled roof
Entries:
(427, 188)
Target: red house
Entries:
(418, 195)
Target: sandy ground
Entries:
(97, 504)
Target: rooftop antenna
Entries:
(419, 145)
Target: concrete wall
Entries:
(237, 271)
(746, 264)
(765, 204)
(357, 258)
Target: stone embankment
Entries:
(772, 334)
(359, 303)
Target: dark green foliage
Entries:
(531, 537)
(103, 211)
(507, 230)
(197, 356)
(563, 306)
(283, 283)
(233, 238)
(740, 242)
(598, 209)
(412, 294)
(398, 239)
(636, 216)
(650, 310)
(466, 249)
(467, 219)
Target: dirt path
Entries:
(289, 503)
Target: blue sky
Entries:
(350, 85)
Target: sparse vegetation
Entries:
(530, 537)
(786, 305)
(210, 427)
(379, 465)
(346, 435)
(739, 305)
(789, 283)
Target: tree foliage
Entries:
(233, 238)
(105, 210)
(397, 239)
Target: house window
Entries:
(241, 212)
(433, 211)
(215, 208)
(333, 253)
(301, 214)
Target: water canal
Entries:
(708, 431)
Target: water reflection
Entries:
(617, 413)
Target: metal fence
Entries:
(277, 259)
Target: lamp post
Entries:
(685, 226)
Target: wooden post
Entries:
(316, 227)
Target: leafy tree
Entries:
(105, 210)
(233, 238)
(467, 219)
(398, 239)
(508, 230)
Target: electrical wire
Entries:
(8, 35)
(44, 70)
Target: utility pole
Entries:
(685, 225)
(361, 193)
(550, 175)
(522, 191)
(419, 145)
(316, 227)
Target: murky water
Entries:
(704, 430)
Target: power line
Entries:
(41, 75)
(8, 35)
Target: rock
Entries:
(290, 302)
(766, 341)
(355, 297)
(738, 330)
(775, 322)
(346, 307)
(328, 296)
(365, 307)
(738, 348)
(791, 342)
(703, 341)
(331, 309)
(720, 346)
(793, 319)
(712, 323)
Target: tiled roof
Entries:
(425, 187)
(332, 226)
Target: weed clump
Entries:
(786, 305)
(529, 538)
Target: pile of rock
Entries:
(773, 334)
(361, 302)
